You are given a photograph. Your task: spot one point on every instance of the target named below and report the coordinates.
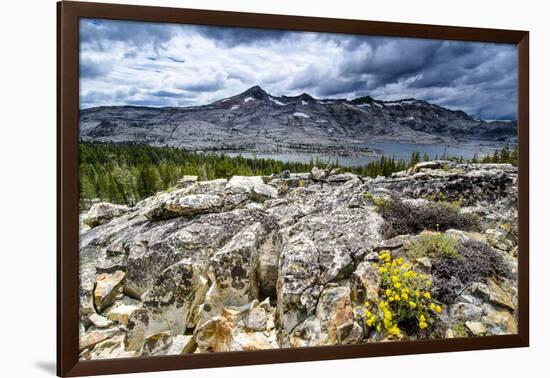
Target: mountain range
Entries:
(255, 121)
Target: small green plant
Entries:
(404, 297)
(442, 199)
(434, 245)
(378, 201)
(459, 330)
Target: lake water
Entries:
(403, 151)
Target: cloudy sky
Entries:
(136, 63)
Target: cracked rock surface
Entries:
(253, 263)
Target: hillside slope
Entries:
(257, 121)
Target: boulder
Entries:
(104, 212)
(318, 174)
(364, 283)
(336, 314)
(333, 322)
(108, 286)
(213, 187)
(251, 185)
(227, 331)
(233, 269)
(494, 294)
(187, 206)
(477, 328)
(171, 305)
(110, 349)
(298, 271)
(499, 322)
(121, 310)
(100, 321)
(94, 336)
(341, 177)
(182, 344)
(426, 165)
(257, 316)
(186, 181)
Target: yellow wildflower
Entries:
(438, 309)
(394, 330)
(427, 295)
(412, 304)
(432, 306)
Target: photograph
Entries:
(245, 189)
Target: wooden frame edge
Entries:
(68, 13)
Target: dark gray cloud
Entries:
(154, 64)
(233, 36)
(90, 69)
(102, 32)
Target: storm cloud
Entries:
(151, 64)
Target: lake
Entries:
(467, 150)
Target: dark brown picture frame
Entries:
(68, 14)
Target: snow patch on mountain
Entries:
(277, 102)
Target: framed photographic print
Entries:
(239, 188)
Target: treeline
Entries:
(499, 156)
(504, 155)
(126, 173)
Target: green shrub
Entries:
(459, 329)
(477, 263)
(378, 201)
(403, 218)
(434, 245)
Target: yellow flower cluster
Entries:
(405, 295)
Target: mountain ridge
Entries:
(255, 120)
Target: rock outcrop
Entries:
(284, 261)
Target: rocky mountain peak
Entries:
(256, 92)
(362, 100)
(306, 97)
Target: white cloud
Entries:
(130, 63)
